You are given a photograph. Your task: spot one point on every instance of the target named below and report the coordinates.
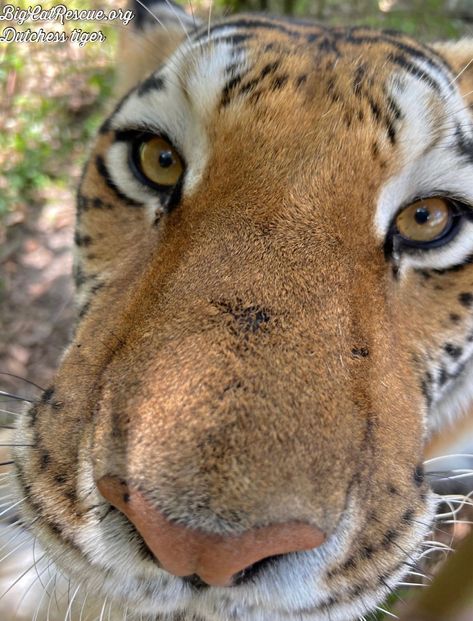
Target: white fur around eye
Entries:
(429, 176)
(194, 77)
(117, 162)
(429, 163)
(454, 252)
(426, 177)
(438, 173)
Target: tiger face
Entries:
(273, 265)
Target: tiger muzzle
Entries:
(215, 558)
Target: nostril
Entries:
(196, 582)
(251, 572)
(242, 577)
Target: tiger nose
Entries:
(216, 559)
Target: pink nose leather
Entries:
(214, 558)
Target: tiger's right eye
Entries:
(158, 163)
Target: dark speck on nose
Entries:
(249, 318)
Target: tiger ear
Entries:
(156, 30)
(459, 55)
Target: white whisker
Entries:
(16, 397)
(461, 501)
(455, 455)
(14, 538)
(460, 73)
(7, 503)
(171, 63)
(83, 606)
(71, 602)
(428, 552)
(103, 609)
(20, 545)
(209, 19)
(386, 612)
(411, 584)
(464, 475)
(176, 14)
(418, 574)
(45, 592)
(33, 582)
(48, 612)
(11, 413)
(437, 544)
(22, 575)
(155, 17)
(15, 504)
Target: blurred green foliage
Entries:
(427, 19)
(25, 171)
(51, 101)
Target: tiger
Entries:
(273, 266)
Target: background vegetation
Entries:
(50, 104)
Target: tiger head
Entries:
(273, 266)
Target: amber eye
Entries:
(425, 221)
(158, 162)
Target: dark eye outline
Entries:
(395, 242)
(170, 195)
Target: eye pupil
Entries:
(166, 159)
(422, 215)
(157, 162)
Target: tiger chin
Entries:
(273, 264)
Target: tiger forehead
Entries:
(284, 64)
(271, 80)
(261, 55)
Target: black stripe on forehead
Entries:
(464, 144)
(253, 24)
(365, 34)
(356, 36)
(414, 70)
(234, 39)
(153, 83)
(426, 53)
(431, 58)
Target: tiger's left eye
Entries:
(425, 221)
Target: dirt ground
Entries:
(37, 308)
